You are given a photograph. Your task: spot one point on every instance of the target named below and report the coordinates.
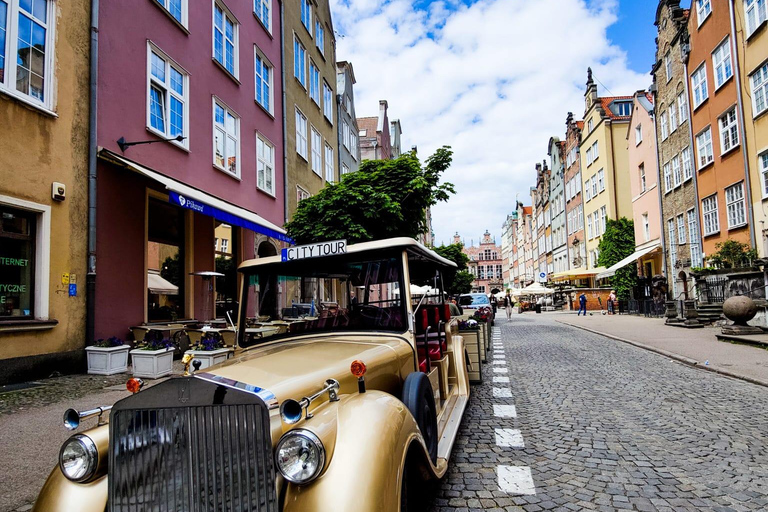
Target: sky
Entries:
(493, 79)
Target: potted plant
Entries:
(210, 350)
(153, 357)
(470, 330)
(107, 357)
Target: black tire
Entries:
(418, 398)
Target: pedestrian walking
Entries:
(611, 302)
(508, 305)
(582, 304)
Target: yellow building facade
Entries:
(604, 162)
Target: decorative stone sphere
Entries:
(740, 308)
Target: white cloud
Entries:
(494, 80)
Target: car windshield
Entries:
(324, 295)
(474, 300)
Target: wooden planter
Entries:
(152, 364)
(209, 357)
(107, 360)
(473, 345)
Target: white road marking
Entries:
(504, 411)
(502, 393)
(500, 361)
(500, 370)
(509, 438)
(501, 379)
(515, 480)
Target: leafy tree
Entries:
(732, 254)
(385, 198)
(458, 281)
(617, 243)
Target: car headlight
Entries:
(300, 456)
(79, 458)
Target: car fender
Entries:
(375, 433)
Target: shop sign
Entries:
(314, 250)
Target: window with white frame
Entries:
(320, 36)
(721, 63)
(703, 9)
(624, 108)
(330, 167)
(676, 174)
(681, 238)
(709, 214)
(314, 83)
(755, 11)
(672, 118)
(603, 218)
(589, 227)
(667, 177)
(763, 160)
(729, 131)
(588, 190)
(664, 126)
(685, 157)
(638, 135)
(735, 205)
(225, 33)
(601, 180)
(317, 152)
(590, 125)
(263, 9)
(699, 85)
(344, 169)
(580, 216)
(301, 194)
(682, 107)
(589, 156)
(327, 102)
(167, 97)
(216, 244)
(301, 134)
(263, 72)
(693, 230)
(265, 165)
(176, 8)
(759, 81)
(26, 49)
(299, 61)
(353, 144)
(668, 66)
(306, 14)
(595, 152)
(646, 228)
(704, 147)
(224, 245)
(594, 186)
(226, 140)
(641, 171)
(672, 240)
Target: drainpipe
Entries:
(285, 118)
(90, 278)
(742, 127)
(662, 236)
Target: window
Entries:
(759, 81)
(317, 152)
(735, 205)
(345, 133)
(699, 86)
(594, 186)
(216, 244)
(226, 142)
(664, 126)
(225, 38)
(682, 107)
(26, 49)
(595, 153)
(587, 191)
(676, 175)
(262, 9)
(667, 177)
(265, 165)
(704, 147)
(601, 180)
(168, 94)
(314, 83)
(763, 159)
(19, 262)
(709, 212)
(638, 135)
(589, 157)
(176, 8)
(603, 218)
(589, 227)
(668, 66)
(224, 245)
(703, 8)
(624, 108)
(642, 178)
(681, 229)
(299, 61)
(263, 74)
(330, 168)
(693, 230)
(320, 37)
(685, 157)
(301, 134)
(672, 244)
(646, 228)
(672, 118)
(721, 62)
(729, 131)
(344, 169)
(301, 194)
(327, 102)
(306, 14)
(590, 125)
(756, 14)
(353, 144)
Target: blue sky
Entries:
(634, 32)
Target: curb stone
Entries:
(677, 357)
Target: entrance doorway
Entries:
(227, 247)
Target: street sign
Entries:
(542, 277)
(314, 250)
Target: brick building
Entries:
(485, 264)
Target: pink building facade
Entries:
(209, 78)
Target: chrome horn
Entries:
(291, 410)
(72, 417)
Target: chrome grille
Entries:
(191, 458)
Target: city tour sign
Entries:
(314, 250)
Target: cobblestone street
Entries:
(603, 425)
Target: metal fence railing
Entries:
(713, 289)
(646, 307)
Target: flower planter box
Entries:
(152, 364)
(473, 345)
(209, 357)
(107, 360)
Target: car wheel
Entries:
(418, 398)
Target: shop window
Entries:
(165, 262)
(226, 263)
(17, 263)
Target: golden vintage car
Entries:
(342, 395)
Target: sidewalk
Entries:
(691, 346)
